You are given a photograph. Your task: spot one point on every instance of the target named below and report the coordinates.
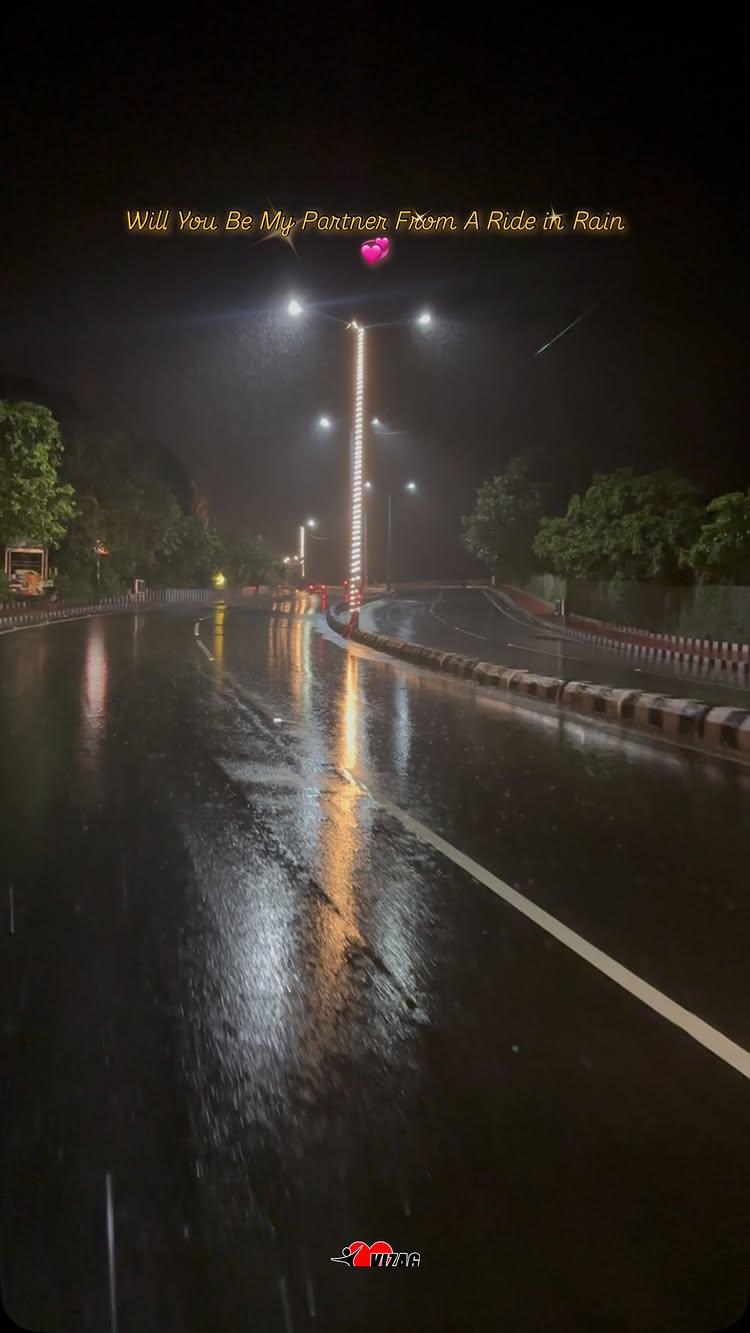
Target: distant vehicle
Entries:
(316, 587)
(27, 571)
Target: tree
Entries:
(722, 552)
(34, 504)
(198, 555)
(141, 525)
(500, 530)
(625, 526)
(248, 562)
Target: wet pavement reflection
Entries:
(276, 1021)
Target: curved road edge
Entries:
(713, 728)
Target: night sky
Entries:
(184, 340)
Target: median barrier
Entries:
(512, 678)
(726, 728)
(674, 717)
(604, 700)
(540, 687)
(718, 730)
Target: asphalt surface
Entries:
(251, 1017)
(481, 623)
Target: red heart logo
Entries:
(371, 252)
(362, 1251)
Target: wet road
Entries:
(254, 1008)
(481, 623)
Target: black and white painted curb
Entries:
(699, 654)
(715, 729)
(686, 654)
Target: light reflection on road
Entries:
(94, 693)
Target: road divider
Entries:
(720, 730)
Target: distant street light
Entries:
(411, 485)
(375, 421)
(324, 423)
(308, 523)
(425, 318)
(294, 308)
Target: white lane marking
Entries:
(711, 1038)
(547, 652)
(503, 612)
(457, 628)
(684, 674)
(111, 1255)
(204, 649)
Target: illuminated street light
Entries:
(357, 451)
(368, 485)
(308, 523)
(357, 551)
(411, 486)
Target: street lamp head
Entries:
(368, 485)
(424, 319)
(311, 522)
(294, 307)
(375, 421)
(411, 485)
(324, 423)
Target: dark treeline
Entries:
(624, 525)
(109, 506)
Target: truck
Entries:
(28, 571)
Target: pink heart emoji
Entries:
(384, 244)
(371, 252)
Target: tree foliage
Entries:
(248, 562)
(625, 526)
(500, 529)
(198, 554)
(148, 528)
(721, 553)
(34, 504)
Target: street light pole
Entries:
(356, 454)
(390, 544)
(302, 551)
(364, 542)
(357, 482)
